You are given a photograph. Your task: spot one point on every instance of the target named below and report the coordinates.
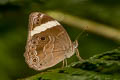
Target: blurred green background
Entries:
(14, 27)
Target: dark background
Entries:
(14, 27)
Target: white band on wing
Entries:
(44, 26)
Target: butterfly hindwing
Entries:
(48, 43)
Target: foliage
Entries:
(104, 66)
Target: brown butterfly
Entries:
(48, 43)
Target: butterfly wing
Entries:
(48, 42)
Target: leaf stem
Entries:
(90, 26)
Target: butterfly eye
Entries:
(42, 38)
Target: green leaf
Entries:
(105, 66)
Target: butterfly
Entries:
(48, 42)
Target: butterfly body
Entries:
(48, 43)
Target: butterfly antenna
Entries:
(76, 42)
(78, 36)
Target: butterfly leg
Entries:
(66, 62)
(63, 64)
(76, 50)
(78, 55)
